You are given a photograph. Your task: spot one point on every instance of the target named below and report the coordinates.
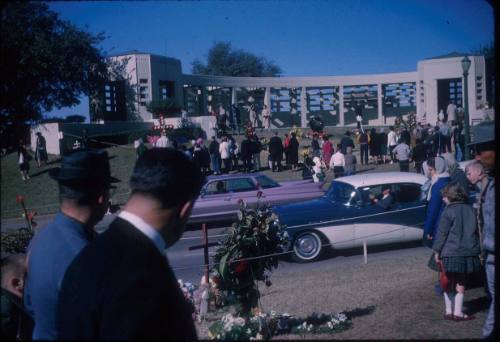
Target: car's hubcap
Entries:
(307, 246)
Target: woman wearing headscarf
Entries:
(456, 173)
(439, 178)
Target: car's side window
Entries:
(368, 193)
(266, 182)
(407, 192)
(216, 187)
(240, 184)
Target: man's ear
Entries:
(100, 199)
(17, 284)
(185, 209)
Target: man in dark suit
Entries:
(84, 181)
(276, 151)
(121, 286)
(386, 201)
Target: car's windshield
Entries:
(266, 182)
(340, 192)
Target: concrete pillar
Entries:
(267, 97)
(303, 108)
(204, 100)
(234, 97)
(341, 105)
(380, 120)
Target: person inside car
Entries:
(386, 201)
(221, 188)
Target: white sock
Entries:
(447, 303)
(459, 300)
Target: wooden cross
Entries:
(205, 246)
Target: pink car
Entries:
(220, 195)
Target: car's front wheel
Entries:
(307, 247)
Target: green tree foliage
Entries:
(223, 60)
(46, 62)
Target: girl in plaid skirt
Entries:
(457, 247)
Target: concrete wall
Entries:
(166, 69)
(50, 131)
(155, 68)
(430, 71)
(206, 123)
(71, 131)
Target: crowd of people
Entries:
(403, 146)
(232, 120)
(76, 284)
(225, 154)
(462, 234)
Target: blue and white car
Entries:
(346, 215)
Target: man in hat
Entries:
(84, 182)
(484, 146)
(386, 201)
(121, 287)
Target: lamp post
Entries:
(465, 67)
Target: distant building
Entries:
(292, 100)
(149, 77)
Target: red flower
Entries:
(241, 267)
(19, 199)
(31, 215)
(216, 280)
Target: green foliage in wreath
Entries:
(410, 123)
(16, 241)
(239, 261)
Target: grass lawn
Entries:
(41, 192)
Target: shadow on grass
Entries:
(36, 174)
(477, 305)
(358, 312)
(55, 161)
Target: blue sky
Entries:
(305, 38)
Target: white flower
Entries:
(258, 336)
(342, 317)
(239, 321)
(249, 331)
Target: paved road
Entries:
(188, 264)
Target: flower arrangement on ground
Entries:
(264, 326)
(248, 255)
